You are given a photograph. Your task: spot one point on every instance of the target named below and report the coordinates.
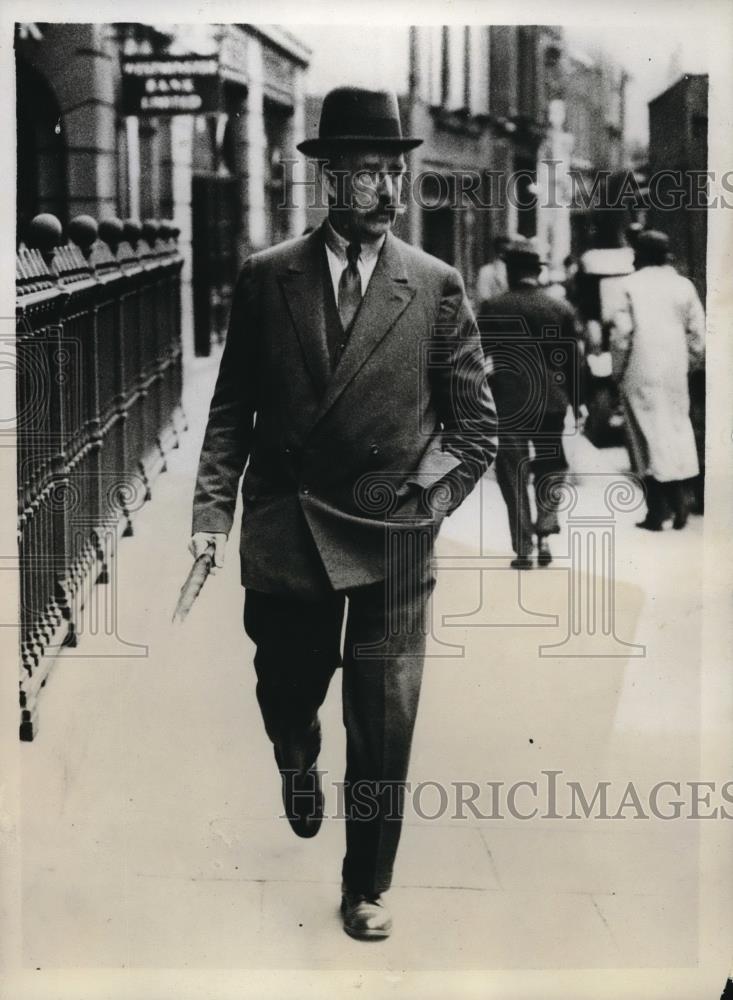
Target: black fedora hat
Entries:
(351, 116)
(652, 243)
(524, 250)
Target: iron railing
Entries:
(98, 392)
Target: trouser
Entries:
(661, 497)
(513, 470)
(297, 651)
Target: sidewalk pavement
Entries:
(151, 831)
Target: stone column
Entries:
(297, 193)
(255, 151)
(165, 144)
(132, 126)
(149, 168)
(181, 177)
(80, 61)
(553, 209)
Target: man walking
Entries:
(352, 383)
(529, 339)
(657, 339)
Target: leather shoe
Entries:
(297, 750)
(650, 525)
(301, 782)
(366, 918)
(303, 801)
(522, 562)
(544, 556)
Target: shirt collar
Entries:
(337, 244)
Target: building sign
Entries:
(170, 85)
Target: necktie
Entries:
(349, 287)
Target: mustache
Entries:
(387, 207)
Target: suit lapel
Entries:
(388, 293)
(302, 286)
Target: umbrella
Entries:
(194, 582)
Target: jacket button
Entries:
(305, 491)
(288, 451)
(374, 449)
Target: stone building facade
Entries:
(218, 174)
(496, 106)
(678, 145)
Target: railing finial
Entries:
(151, 230)
(45, 232)
(112, 232)
(83, 231)
(132, 229)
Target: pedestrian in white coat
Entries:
(657, 337)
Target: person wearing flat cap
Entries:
(529, 339)
(352, 386)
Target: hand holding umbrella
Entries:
(208, 552)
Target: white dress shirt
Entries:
(336, 254)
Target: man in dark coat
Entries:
(353, 387)
(530, 342)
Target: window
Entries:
(478, 70)
(453, 65)
(455, 86)
(434, 42)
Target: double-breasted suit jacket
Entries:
(331, 454)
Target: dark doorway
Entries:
(277, 134)
(438, 217)
(525, 190)
(437, 228)
(216, 218)
(215, 225)
(41, 150)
